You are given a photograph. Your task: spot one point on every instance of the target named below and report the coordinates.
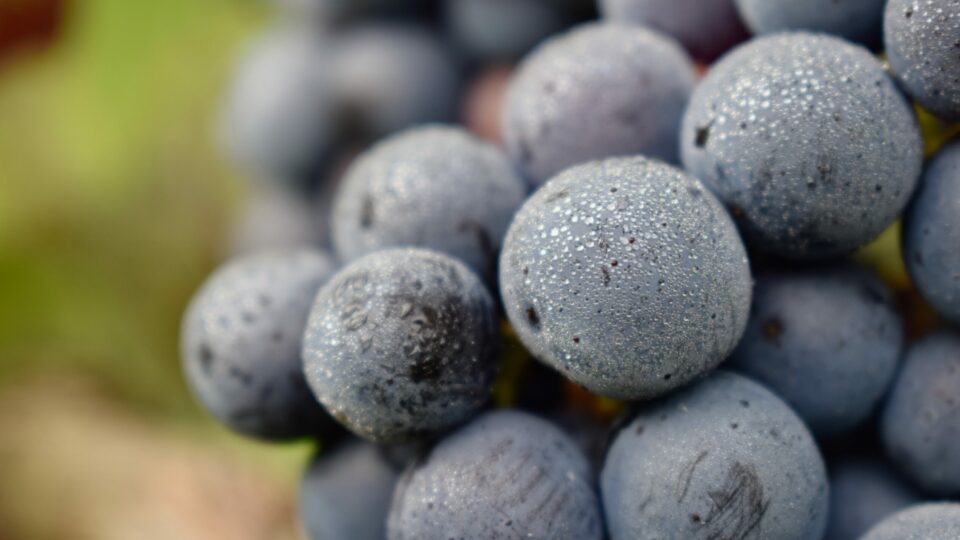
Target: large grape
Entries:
(807, 141)
(627, 276)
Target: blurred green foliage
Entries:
(115, 204)
(114, 201)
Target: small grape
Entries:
(921, 420)
(932, 521)
(707, 28)
(492, 30)
(280, 114)
(240, 343)
(433, 187)
(505, 475)
(931, 234)
(864, 491)
(345, 494)
(390, 77)
(401, 344)
(856, 20)
(597, 91)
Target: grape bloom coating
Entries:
(921, 38)
(863, 492)
(240, 343)
(345, 493)
(921, 420)
(826, 339)
(931, 234)
(724, 458)
(808, 142)
(505, 475)
(627, 276)
(393, 76)
(597, 91)
(707, 28)
(401, 343)
(280, 113)
(493, 30)
(856, 20)
(931, 521)
(433, 187)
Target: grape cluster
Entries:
(624, 299)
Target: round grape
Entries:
(863, 492)
(240, 343)
(492, 30)
(931, 234)
(597, 91)
(280, 115)
(345, 494)
(856, 20)
(505, 475)
(432, 187)
(722, 459)
(807, 141)
(627, 276)
(923, 46)
(707, 28)
(932, 521)
(921, 420)
(390, 77)
(826, 340)
(402, 344)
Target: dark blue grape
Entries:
(433, 187)
(722, 459)
(505, 475)
(345, 494)
(921, 421)
(856, 20)
(597, 91)
(808, 142)
(826, 340)
(280, 115)
(923, 46)
(493, 30)
(933, 521)
(240, 344)
(707, 28)
(390, 77)
(931, 234)
(627, 276)
(401, 344)
(864, 491)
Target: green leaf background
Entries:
(114, 205)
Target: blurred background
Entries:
(114, 205)
(116, 201)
